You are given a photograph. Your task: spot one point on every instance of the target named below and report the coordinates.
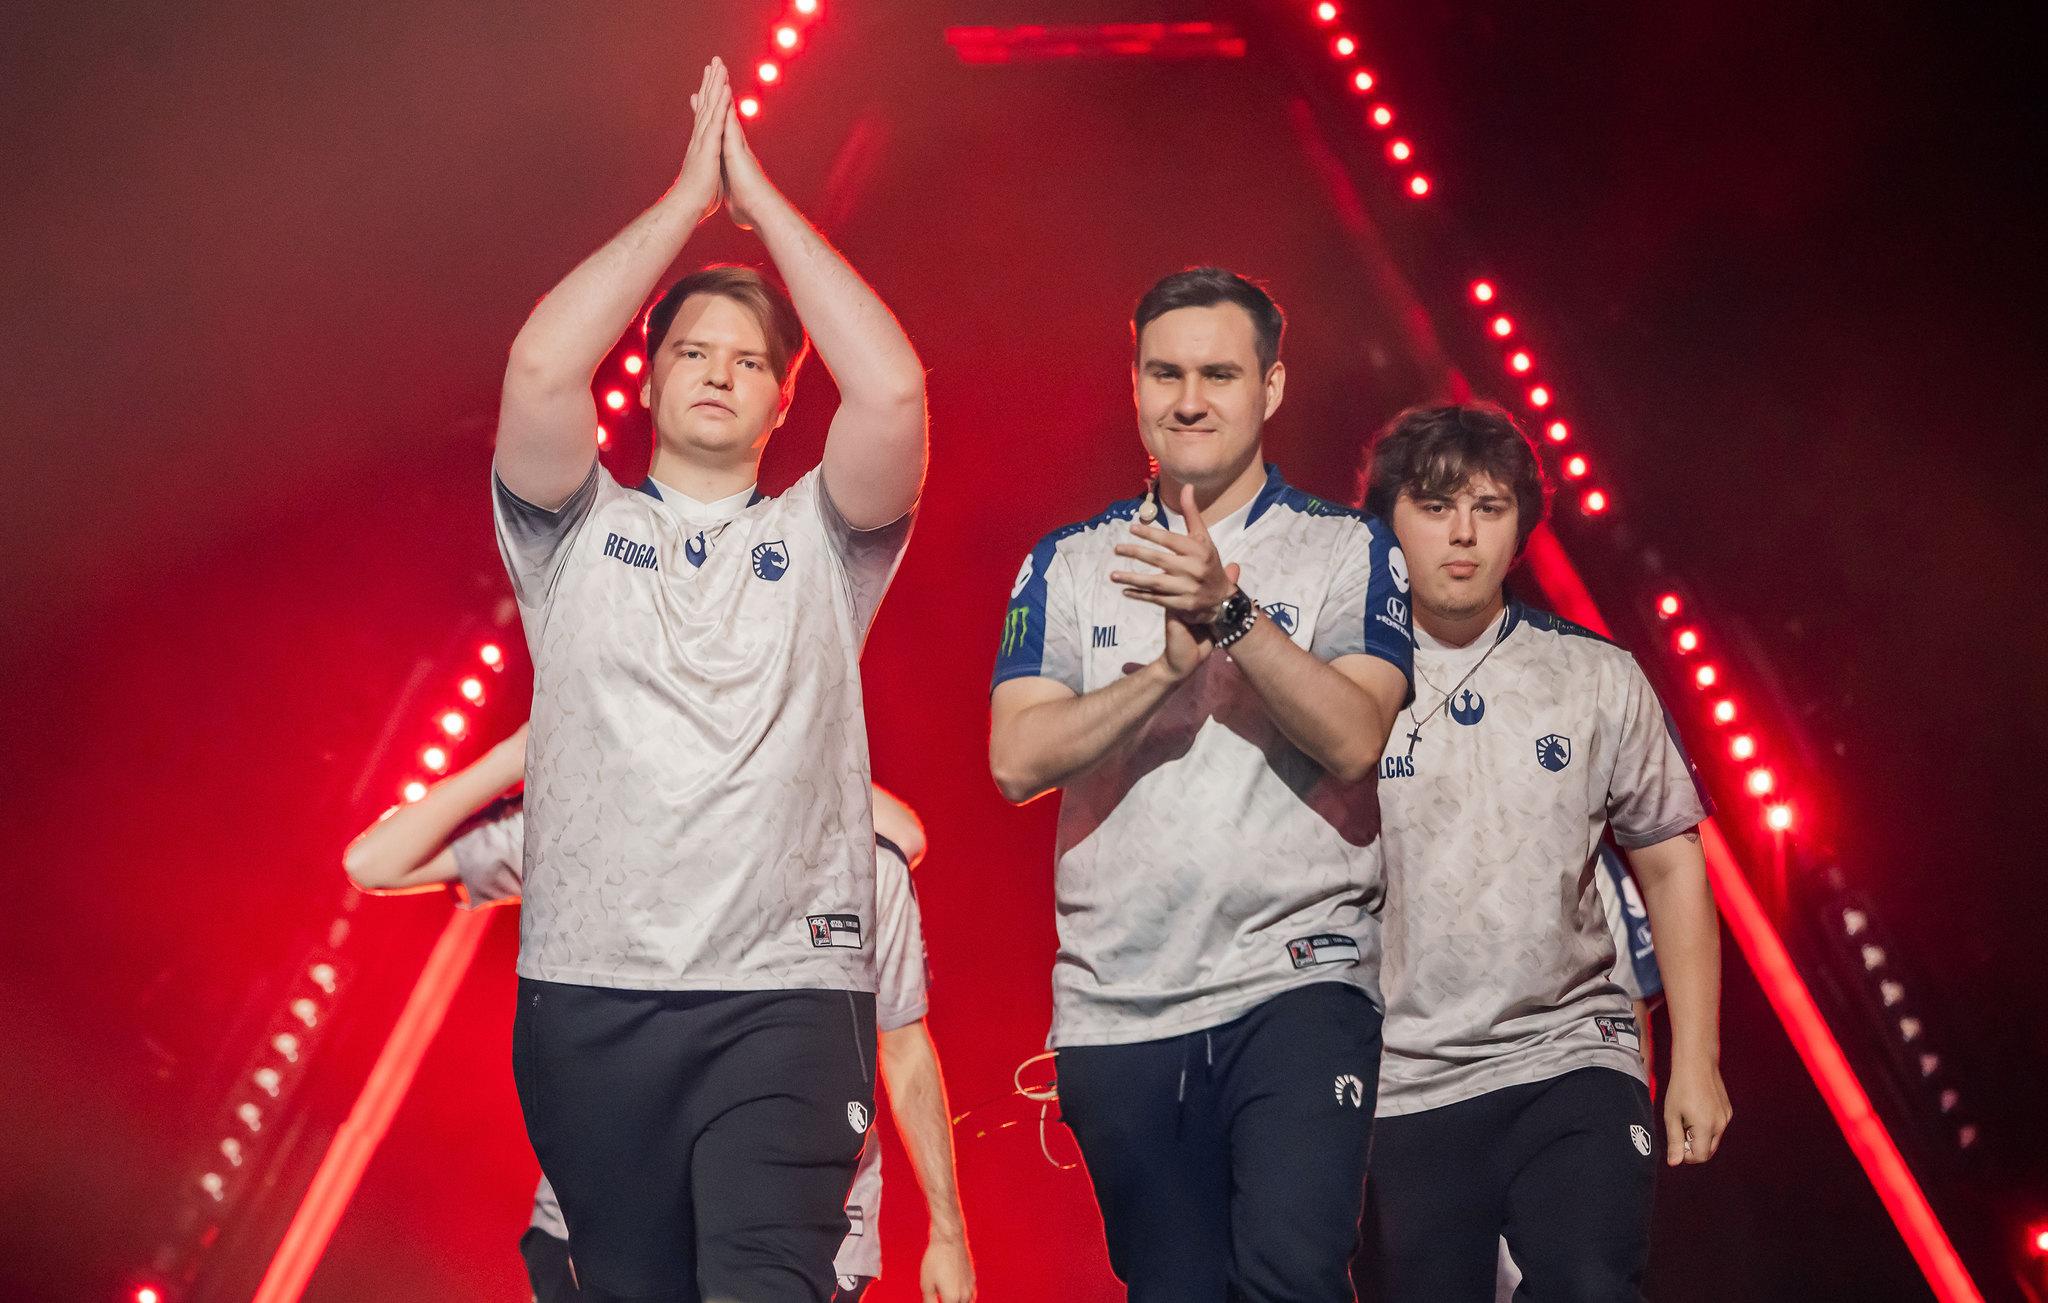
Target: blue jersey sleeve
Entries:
(1366, 611)
(1039, 638)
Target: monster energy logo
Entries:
(1015, 625)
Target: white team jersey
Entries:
(1500, 968)
(900, 1000)
(1210, 864)
(697, 768)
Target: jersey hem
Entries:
(1162, 1029)
(1613, 1060)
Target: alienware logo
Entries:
(695, 550)
(1469, 708)
(771, 560)
(1398, 564)
(1553, 752)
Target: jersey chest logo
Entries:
(1469, 708)
(771, 560)
(1553, 752)
(696, 551)
(1285, 616)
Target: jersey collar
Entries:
(1268, 494)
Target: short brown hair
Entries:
(1434, 451)
(768, 301)
(1204, 287)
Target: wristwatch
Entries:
(1235, 620)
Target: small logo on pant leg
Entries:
(857, 1116)
(1350, 1090)
(1641, 1137)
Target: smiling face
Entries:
(1201, 396)
(711, 386)
(1459, 547)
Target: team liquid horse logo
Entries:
(771, 560)
(1640, 1137)
(857, 1116)
(1285, 615)
(1553, 752)
(1351, 1091)
(1470, 708)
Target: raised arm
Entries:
(407, 850)
(917, 1100)
(1673, 877)
(875, 450)
(547, 422)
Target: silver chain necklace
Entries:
(1415, 735)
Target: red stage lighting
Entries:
(1383, 116)
(1574, 468)
(750, 107)
(1361, 81)
(1503, 327)
(1400, 151)
(1705, 676)
(1667, 605)
(603, 436)
(1520, 361)
(147, 1295)
(1482, 291)
(434, 758)
(473, 689)
(786, 37)
(490, 655)
(1418, 186)
(1539, 397)
(633, 364)
(1778, 818)
(768, 72)
(806, 7)
(1688, 640)
(414, 790)
(615, 399)
(1724, 710)
(1743, 747)
(2037, 1238)
(1558, 431)
(452, 723)
(1761, 781)
(1344, 46)
(1326, 12)
(1595, 502)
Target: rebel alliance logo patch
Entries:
(1350, 1091)
(1641, 1137)
(857, 1116)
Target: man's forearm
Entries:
(857, 337)
(1049, 744)
(1332, 720)
(917, 1100)
(573, 329)
(1673, 878)
(414, 833)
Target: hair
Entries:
(1204, 287)
(768, 301)
(1435, 451)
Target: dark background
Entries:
(261, 268)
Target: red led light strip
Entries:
(358, 1137)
